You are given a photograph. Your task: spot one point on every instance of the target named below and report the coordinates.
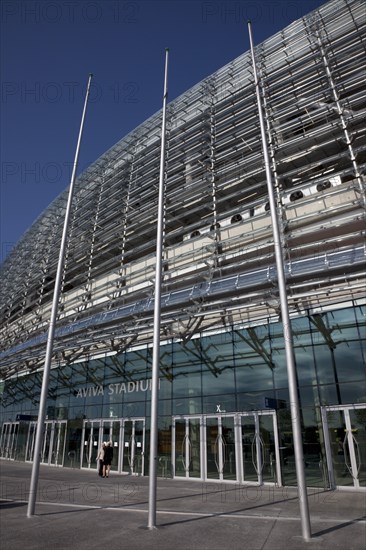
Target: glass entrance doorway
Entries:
(91, 442)
(133, 445)
(53, 445)
(9, 436)
(220, 459)
(186, 451)
(260, 461)
(128, 441)
(345, 445)
(241, 447)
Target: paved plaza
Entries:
(76, 508)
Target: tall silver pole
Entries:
(51, 330)
(287, 331)
(157, 306)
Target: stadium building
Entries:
(224, 409)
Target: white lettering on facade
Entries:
(116, 388)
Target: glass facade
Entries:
(224, 410)
(224, 407)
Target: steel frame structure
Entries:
(218, 256)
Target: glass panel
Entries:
(164, 447)
(13, 440)
(228, 441)
(5, 441)
(305, 366)
(180, 431)
(186, 373)
(220, 403)
(339, 446)
(46, 443)
(313, 446)
(90, 448)
(31, 441)
(22, 441)
(212, 448)
(287, 455)
(107, 431)
(194, 447)
(2, 441)
(74, 444)
(353, 392)
(61, 443)
(268, 450)
(127, 450)
(358, 423)
(139, 447)
(54, 441)
(187, 406)
(217, 364)
(115, 443)
(248, 448)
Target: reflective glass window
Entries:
(305, 366)
(353, 392)
(186, 369)
(191, 405)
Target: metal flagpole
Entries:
(287, 331)
(156, 344)
(51, 330)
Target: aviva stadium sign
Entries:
(115, 388)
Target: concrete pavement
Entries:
(77, 509)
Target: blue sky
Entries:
(48, 48)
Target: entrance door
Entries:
(53, 445)
(133, 445)
(220, 447)
(9, 438)
(345, 444)
(186, 451)
(260, 461)
(243, 447)
(91, 443)
(58, 440)
(240, 447)
(111, 432)
(54, 442)
(128, 441)
(31, 438)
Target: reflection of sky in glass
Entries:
(300, 333)
(324, 364)
(360, 313)
(251, 379)
(213, 404)
(136, 364)
(305, 366)
(187, 406)
(328, 395)
(354, 392)
(250, 361)
(218, 383)
(308, 395)
(349, 362)
(187, 385)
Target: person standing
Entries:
(108, 457)
(100, 460)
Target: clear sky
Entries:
(48, 48)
